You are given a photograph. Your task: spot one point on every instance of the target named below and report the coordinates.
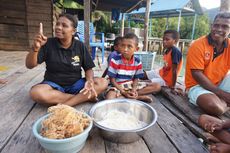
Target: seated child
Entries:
(172, 57)
(116, 50)
(124, 72)
(220, 133)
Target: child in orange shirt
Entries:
(167, 75)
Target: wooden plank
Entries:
(10, 20)
(182, 103)
(12, 40)
(23, 139)
(9, 47)
(199, 132)
(13, 87)
(14, 34)
(157, 141)
(184, 140)
(135, 147)
(94, 143)
(15, 107)
(14, 13)
(8, 6)
(4, 27)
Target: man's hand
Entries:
(39, 39)
(225, 96)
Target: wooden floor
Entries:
(174, 131)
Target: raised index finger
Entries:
(41, 29)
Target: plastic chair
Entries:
(147, 59)
(93, 44)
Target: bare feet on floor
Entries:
(219, 148)
(145, 98)
(3, 81)
(211, 138)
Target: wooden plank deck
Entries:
(171, 134)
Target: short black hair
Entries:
(131, 36)
(224, 15)
(175, 34)
(71, 18)
(117, 40)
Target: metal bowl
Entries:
(142, 111)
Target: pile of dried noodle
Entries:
(64, 122)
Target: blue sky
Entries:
(210, 3)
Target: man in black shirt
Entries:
(64, 57)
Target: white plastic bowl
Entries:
(69, 145)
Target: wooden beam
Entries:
(86, 22)
(122, 24)
(225, 6)
(148, 4)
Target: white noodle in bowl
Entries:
(123, 120)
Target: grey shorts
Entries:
(197, 90)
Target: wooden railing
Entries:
(156, 44)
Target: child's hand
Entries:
(133, 94)
(128, 94)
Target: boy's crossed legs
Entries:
(144, 88)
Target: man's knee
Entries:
(212, 108)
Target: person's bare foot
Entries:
(145, 98)
(211, 138)
(219, 148)
(3, 81)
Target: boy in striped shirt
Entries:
(124, 72)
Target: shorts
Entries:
(155, 77)
(197, 90)
(73, 89)
(127, 86)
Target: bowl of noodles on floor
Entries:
(123, 120)
(63, 129)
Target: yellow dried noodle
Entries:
(64, 122)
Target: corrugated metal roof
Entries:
(124, 6)
(164, 8)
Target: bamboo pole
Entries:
(148, 4)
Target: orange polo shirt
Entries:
(201, 57)
(173, 56)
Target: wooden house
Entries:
(19, 22)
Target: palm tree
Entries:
(225, 6)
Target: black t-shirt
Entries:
(63, 66)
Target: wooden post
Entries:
(225, 6)
(86, 23)
(194, 26)
(122, 25)
(167, 22)
(179, 19)
(148, 4)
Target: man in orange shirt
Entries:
(208, 63)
